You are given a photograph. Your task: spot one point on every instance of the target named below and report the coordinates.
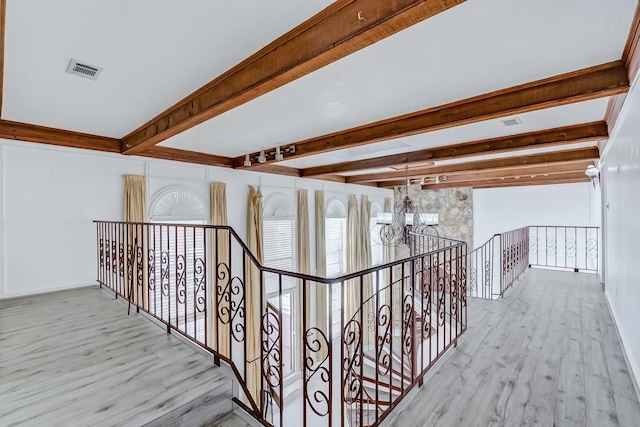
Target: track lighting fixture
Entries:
(278, 157)
(263, 157)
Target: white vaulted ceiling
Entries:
(157, 52)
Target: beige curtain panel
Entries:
(219, 332)
(388, 255)
(365, 259)
(135, 206)
(304, 259)
(322, 318)
(254, 295)
(353, 258)
(304, 250)
(135, 197)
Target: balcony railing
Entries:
(362, 341)
(498, 263)
(564, 247)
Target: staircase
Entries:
(396, 354)
(353, 370)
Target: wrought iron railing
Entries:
(567, 247)
(358, 353)
(497, 264)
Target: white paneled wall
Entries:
(621, 180)
(49, 197)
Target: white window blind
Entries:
(178, 251)
(336, 235)
(377, 248)
(278, 236)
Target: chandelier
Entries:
(406, 217)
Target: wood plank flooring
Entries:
(75, 358)
(547, 354)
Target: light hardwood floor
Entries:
(75, 358)
(547, 354)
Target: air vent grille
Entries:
(511, 122)
(83, 70)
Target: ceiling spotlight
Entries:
(247, 161)
(262, 158)
(279, 157)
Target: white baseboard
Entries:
(47, 291)
(632, 374)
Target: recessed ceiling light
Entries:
(511, 122)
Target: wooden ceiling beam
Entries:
(582, 85)
(631, 52)
(167, 153)
(341, 29)
(505, 163)
(524, 172)
(275, 169)
(546, 138)
(559, 178)
(64, 138)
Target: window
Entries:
(279, 252)
(377, 248)
(279, 240)
(178, 259)
(336, 238)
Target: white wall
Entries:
(497, 210)
(49, 197)
(621, 179)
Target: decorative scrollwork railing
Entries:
(355, 352)
(566, 247)
(497, 264)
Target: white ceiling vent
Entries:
(511, 122)
(83, 70)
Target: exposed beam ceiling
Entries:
(547, 138)
(340, 30)
(503, 164)
(45, 135)
(337, 32)
(582, 85)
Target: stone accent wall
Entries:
(455, 206)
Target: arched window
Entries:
(178, 203)
(179, 251)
